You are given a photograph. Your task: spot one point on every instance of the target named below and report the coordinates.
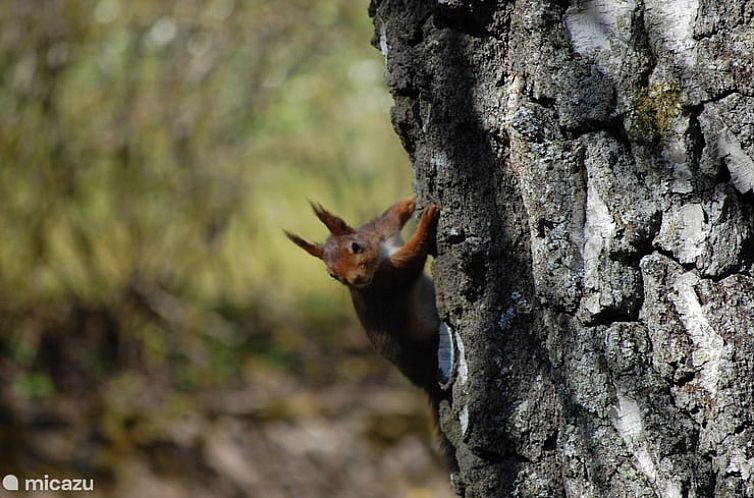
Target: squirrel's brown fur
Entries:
(394, 300)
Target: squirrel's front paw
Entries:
(428, 227)
(406, 207)
(429, 217)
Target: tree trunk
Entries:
(594, 165)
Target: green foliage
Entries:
(151, 152)
(32, 384)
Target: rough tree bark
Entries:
(594, 164)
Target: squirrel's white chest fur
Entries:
(390, 246)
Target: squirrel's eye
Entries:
(332, 275)
(355, 248)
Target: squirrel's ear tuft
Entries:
(313, 249)
(333, 223)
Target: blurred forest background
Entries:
(158, 333)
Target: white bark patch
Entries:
(463, 419)
(439, 159)
(598, 229)
(645, 463)
(708, 345)
(626, 418)
(426, 119)
(672, 490)
(515, 94)
(383, 42)
(739, 163)
(445, 355)
(598, 25)
(599, 225)
(587, 27)
(691, 232)
(683, 232)
(740, 465)
(672, 24)
(601, 29)
(463, 369)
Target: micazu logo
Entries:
(12, 483)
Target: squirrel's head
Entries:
(351, 256)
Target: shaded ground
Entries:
(170, 408)
(269, 440)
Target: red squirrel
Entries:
(393, 298)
